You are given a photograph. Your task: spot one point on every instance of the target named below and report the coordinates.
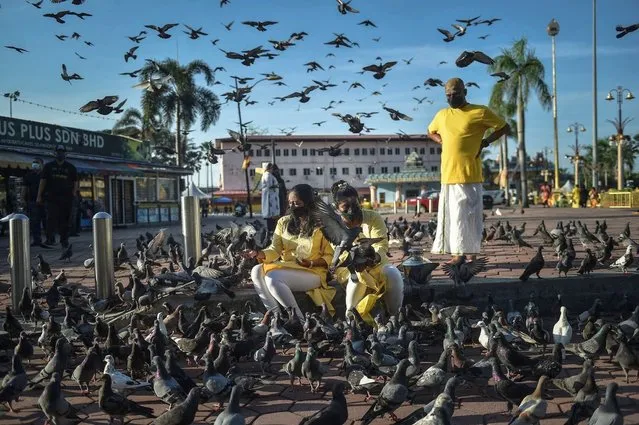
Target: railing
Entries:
(619, 199)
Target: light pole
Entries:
(595, 180)
(553, 29)
(576, 128)
(12, 98)
(619, 124)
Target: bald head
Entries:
(455, 92)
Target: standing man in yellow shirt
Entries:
(460, 130)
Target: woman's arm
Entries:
(274, 251)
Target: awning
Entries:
(16, 160)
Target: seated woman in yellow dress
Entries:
(381, 280)
(297, 259)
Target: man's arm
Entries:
(435, 137)
(43, 185)
(497, 134)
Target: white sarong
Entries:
(459, 219)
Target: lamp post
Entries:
(12, 98)
(576, 128)
(619, 138)
(553, 29)
(595, 125)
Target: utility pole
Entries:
(245, 153)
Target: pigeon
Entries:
(162, 31)
(379, 71)
(166, 386)
(67, 253)
(131, 54)
(17, 49)
(336, 413)
(462, 271)
(120, 382)
(466, 58)
(56, 408)
(345, 7)
(534, 266)
(621, 30)
(259, 25)
(116, 405)
(87, 369)
(182, 413)
(502, 76)
(624, 261)
(313, 369)
(13, 383)
(57, 364)
(232, 414)
(394, 393)
(608, 412)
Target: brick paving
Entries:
(279, 404)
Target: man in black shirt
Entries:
(59, 182)
(34, 210)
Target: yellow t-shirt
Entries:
(462, 131)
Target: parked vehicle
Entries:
(499, 196)
(433, 196)
(488, 201)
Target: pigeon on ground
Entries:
(462, 271)
(13, 383)
(57, 409)
(608, 413)
(232, 414)
(182, 413)
(116, 405)
(120, 382)
(336, 413)
(394, 393)
(165, 386)
(534, 266)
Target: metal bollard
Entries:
(406, 207)
(20, 257)
(103, 254)
(191, 227)
(430, 205)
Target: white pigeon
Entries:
(624, 261)
(483, 334)
(498, 212)
(120, 382)
(562, 331)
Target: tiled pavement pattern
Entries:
(279, 404)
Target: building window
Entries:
(319, 171)
(358, 171)
(285, 152)
(333, 171)
(371, 151)
(433, 168)
(371, 169)
(382, 151)
(281, 171)
(307, 171)
(345, 171)
(293, 152)
(356, 151)
(395, 169)
(347, 151)
(267, 152)
(167, 189)
(396, 151)
(278, 152)
(251, 153)
(407, 151)
(312, 152)
(364, 151)
(422, 151)
(432, 151)
(384, 170)
(252, 172)
(292, 172)
(258, 152)
(382, 197)
(439, 150)
(146, 189)
(304, 152)
(320, 153)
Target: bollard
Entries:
(191, 227)
(430, 205)
(103, 254)
(20, 257)
(406, 207)
(418, 205)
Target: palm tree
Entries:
(526, 74)
(606, 159)
(173, 94)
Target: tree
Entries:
(606, 159)
(526, 75)
(505, 108)
(174, 95)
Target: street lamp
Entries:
(576, 128)
(12, 98)
(618, 94)
(553, 29)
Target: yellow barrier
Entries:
(619, 199)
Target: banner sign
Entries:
(18, 133)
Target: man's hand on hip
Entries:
(484, 144)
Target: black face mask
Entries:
(456, 101)
(353, 212)
(60, 156)
(299, 211)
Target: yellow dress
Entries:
(373, 226)
(284, 250)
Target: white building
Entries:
(301, 161)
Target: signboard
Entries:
(18, 133)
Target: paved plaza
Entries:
(277, 403)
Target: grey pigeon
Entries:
(336, 413)
(232, 415)
(608, 413)
(116, 405)
(462, 271)
(58, 363)
(87, 369)
(182, 413)
(591, 348)
(313, 369)
(165, 386)
(586, 402)
(13, 383)
(293, 367)
(534, 266)
(418, 415)
(394, 393)
(55, 406)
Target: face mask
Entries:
(456, 101)
(353, 212)
(35, 166)
(60, 156)
(299, 211)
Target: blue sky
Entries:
(408, 28)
